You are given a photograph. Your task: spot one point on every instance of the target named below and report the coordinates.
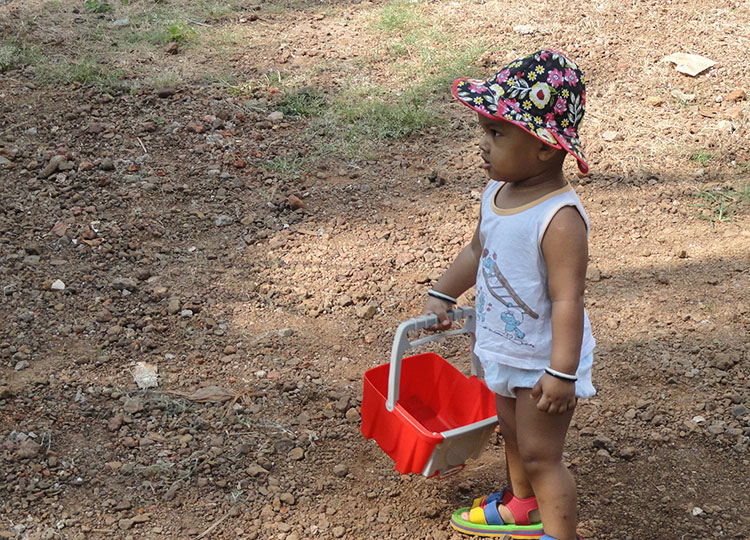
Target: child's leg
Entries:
(516, 478)
(540, 445)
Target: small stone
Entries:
(627, 453)
(738, 411)
(121, 284)
(352, 415)
(736, 95)
(195, 127)
(28, 449)
(166, 91)
(367, 311)
(23, 364)
(173, 305)
(276, 117)
(52, 166)
(340, 470)
(172, 48)
(338, 531)
(116, 422)
(186, 313)
(593, 274)
(223, 221)
(107, 165)
(57, 285)
(295, 203)
(612, 136)
(125, 524)
(256, 470)
(654, 101)
(133, 405)
(297, 454)
(287, 498)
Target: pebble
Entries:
(352, 415)
(173, 305)
(223, 220)
(28, 449)
(133, 405)
(367, 311)
(166, 91)
(23, 364)
(297, 454)
(57, 285)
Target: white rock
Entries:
(145, 375)
(57, 285)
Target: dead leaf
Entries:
(60, 228)
(214, 394)
(709, 113)
(92, 243)
(689, 64)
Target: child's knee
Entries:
(536, 461)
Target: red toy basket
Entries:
(422, 411)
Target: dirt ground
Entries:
(162, 204)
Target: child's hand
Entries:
(554, 395)
(439, 308)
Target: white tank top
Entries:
(513, 307)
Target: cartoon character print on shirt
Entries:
(516, 310)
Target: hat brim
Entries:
(571, 144)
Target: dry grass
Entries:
(393, 61)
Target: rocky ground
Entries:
(140, 230)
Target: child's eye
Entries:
(495, 133)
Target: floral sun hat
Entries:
(543, 93)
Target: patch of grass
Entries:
(288, 164)
(305, 102)
(382, 118)
(399, 17)
(86, 72)
(14, 54)
(98, 6)
(702, 156)
(720, 204)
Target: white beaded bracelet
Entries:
(561, 375)
(441, 296)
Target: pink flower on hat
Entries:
(569, 131)
(503, 75)
(560, 105)
(512, 104)
(549, 120)
(555, 77)
(571, 76)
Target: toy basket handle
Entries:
(401, 344)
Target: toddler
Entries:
(527, 259)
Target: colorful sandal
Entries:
(486, 521)
(504, 495)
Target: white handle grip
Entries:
(401, 344)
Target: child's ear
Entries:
(547, 153)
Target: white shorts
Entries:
(504, 380)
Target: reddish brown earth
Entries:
(177, 247)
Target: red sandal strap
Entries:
(521, 508)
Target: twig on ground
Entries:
(216, 523)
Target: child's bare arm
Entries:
(565, 249)
(459, 277)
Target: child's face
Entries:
(510, 154)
